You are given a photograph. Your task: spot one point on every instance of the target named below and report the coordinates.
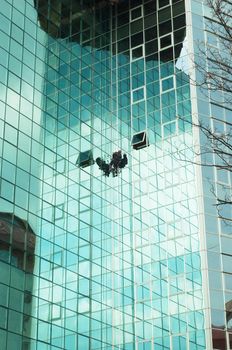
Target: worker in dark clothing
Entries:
(115, 161)
(116, 164)
(103, 166)
(123, 162)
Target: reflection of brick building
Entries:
(17, 246)
(219, 333)
(229, 310)
(17, 242)
(219, 339)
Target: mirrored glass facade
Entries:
(213, 108)
(95, 252)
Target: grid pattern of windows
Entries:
(116, 260)
(218, 230)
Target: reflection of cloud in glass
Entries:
(182, 62)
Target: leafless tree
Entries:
(217, 152)
(213, 65)
(217, 79)
(215, 62)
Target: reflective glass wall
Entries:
(22, 52)
(214, 111)
(92, 261)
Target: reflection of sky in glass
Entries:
(101, 128)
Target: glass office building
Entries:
(130, 259)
